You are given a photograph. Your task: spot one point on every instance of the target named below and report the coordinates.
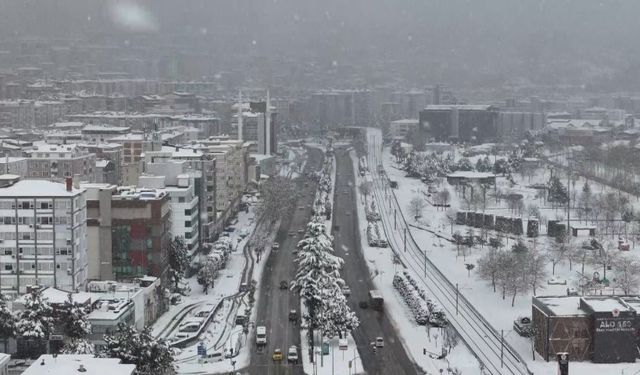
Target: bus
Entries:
(375, 299)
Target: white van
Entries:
(261, 335)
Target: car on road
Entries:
(293, 315)
(523, 326)
(346, 291)
(557, 281)
(284, 285)
(275, 246)
(379, 342)
(300, 231)
(292, 354)
(277, 355)
(261, 335)
(292, 233)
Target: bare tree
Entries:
(489, 266)
(627, 270)
(278, 197)
(536, 270)
(444, 197)
(451, 219)
(416, 206)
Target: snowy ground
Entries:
(497, 311)
(414, 338)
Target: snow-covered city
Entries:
(319, 187)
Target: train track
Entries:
(497, 356)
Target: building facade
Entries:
(43, 235)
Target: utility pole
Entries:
(395, 219)
(457, 292)
(405, 239)
(502, 348)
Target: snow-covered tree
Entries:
(278, 197)
(178, 263)
(73, 319)
(627, 271)
(150, 356)
(78, 346)
(335, 316)
(35, 322)
(7, 322)
(489, 266)
(207, 274)
(318, 271)
(416, 206)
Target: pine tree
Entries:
(35, 321)
(150, 356)
(336, 317)
(73, 319)
(7, 322)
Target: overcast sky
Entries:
(502, 36)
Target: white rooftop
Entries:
(605, 304)
(563, 305)
(38, 188)
(470, 174)
(69, 364)
(57, 296)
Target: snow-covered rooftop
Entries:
(57, 296)
(46, 364)
(106, 128)
(605, 304)
(464, 107)
(38, 188)
(563, 305)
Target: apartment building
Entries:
(200, 165)
(59, 161)
(185, 213)
(43, 235)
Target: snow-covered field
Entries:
(414, 338)
(498, 312)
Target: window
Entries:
(8, 252)
(187, 212)
(180, 199)
(8, 267)
(187, 224)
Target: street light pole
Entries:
(457, 293)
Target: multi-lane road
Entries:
(392, 359)
(274, 303)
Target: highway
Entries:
(392, 359)
(482, 339)
(274, 303)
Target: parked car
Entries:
(557, 281)
(523, 326)
(275, 246)
(292, 354)
(572, 292)
(379, 342)
(284, 285)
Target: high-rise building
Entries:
(43, 235)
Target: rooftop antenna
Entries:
(240, 119)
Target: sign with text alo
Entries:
(342, 344)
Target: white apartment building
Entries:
(200, 165)
(43, 235)
(184, 203)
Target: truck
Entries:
(375, 299)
